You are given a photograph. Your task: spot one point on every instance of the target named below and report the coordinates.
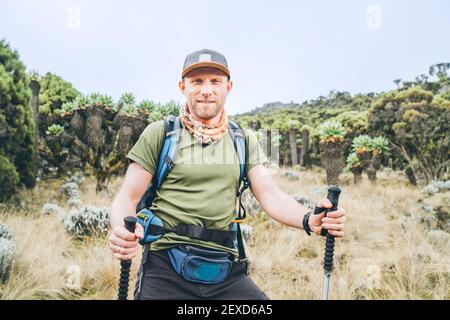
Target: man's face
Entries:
(206, 90)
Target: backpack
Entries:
(165, 164)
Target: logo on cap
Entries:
(204, 57)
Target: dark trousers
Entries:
(157, 280)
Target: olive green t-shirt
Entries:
(201, 188)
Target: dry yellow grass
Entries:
(385, 254)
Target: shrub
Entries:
(146, 105)
(88, 221)
(331, 131)
(9, 178)
(127, 98)
(55, 130)
(362, 144)
(17, 128)
(54, 92)
(51, 208)
(5, 232)
(6, 257)
(79, 180)
(71, 190)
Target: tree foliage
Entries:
(16, 122)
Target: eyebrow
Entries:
(200, 79)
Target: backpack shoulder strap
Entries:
(165, 161)
(168, 150)
(237, 135)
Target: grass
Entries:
(387, 252)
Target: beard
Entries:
(205, 112)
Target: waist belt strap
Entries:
(224, 238)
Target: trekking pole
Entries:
(125, 265)
(333, 196)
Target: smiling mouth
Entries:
(205, 102)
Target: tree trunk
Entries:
(410, 174)
(372, 174)
(293, 146)
(333, 161)
(35, 88)
(304, 155)
(357, 175)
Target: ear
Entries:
(181, 86)
(229, 86)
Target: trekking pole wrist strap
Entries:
(306, 222)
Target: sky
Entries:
(276, 50)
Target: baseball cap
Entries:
(205, 58)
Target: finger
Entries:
(123, 233)
(122, 251)
(317, 230)
(336, 233)
(123, 243)
(316, 219)
(139, 231)
(124, 257)
(325, 203)
(337, 213)
(318, 209)
(329, 226)
(333, 220)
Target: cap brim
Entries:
(219, 66)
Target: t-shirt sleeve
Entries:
(146, 150)
(256, 154)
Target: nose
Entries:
(206, 90)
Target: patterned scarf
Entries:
(203, 133)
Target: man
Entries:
(199, 191)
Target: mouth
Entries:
(205, 101)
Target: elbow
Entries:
(269, 199)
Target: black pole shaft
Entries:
(125, 265)
(333, 196)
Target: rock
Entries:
(304, 201)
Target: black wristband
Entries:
(306, 224)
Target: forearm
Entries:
(122, 207)
(285, 209)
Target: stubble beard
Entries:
(205, 112)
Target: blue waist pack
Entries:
(153, 226)
(195, 264)
(200, 265)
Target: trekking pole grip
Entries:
(333, 196)
(125, 265)
(130, 223)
